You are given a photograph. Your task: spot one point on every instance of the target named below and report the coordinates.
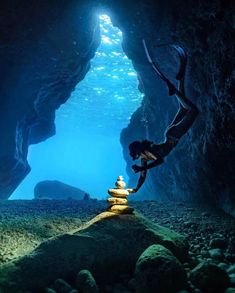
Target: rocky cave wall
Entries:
(201, 168)
(45, 48)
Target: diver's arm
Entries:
(146, 166)
(155, 163)
(142, 175)
(143, 169)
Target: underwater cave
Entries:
(81, 81)
(86, 150)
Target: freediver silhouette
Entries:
(186, 115)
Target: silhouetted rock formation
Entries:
(41, 62)
(58, 190)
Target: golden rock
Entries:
(116, 192)
(118, 201)
(120, 209)
(113, 200)
(120, 184)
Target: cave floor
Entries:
(26, 223)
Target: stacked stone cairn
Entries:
(118, 201)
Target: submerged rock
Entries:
(209, 277)
(86, 282)
(109, 245)
(158, 270)
(231, 269)
(62, 287)
(120, 209)
(49, 290)
(232, 279)
(216, 254)
(218, 242)
(53, 189)
(230, 290)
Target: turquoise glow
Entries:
(86, 151)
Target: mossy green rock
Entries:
(107, 246)
(158, 270)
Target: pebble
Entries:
(231, 269)
(205, 253)
(223, 265)
(230, 290)
(218, 243)
(49, 290)
(205, 214)
(232, 279)
(189, 224)
(216, 254)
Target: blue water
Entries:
(86, 152)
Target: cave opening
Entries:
(86, 152)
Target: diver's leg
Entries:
(179, 115)
(187, 112)
(176, 131)
(180, 76)
(156, 69)
(180, 92)
(184, 101)
(185, 117)
(181, 73)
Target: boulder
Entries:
(158, 270)
(86, 283)
(108, 246)
(210, 278)
(53, 189)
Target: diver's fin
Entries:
(147, 51)
(183, 61)
(171, 87)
